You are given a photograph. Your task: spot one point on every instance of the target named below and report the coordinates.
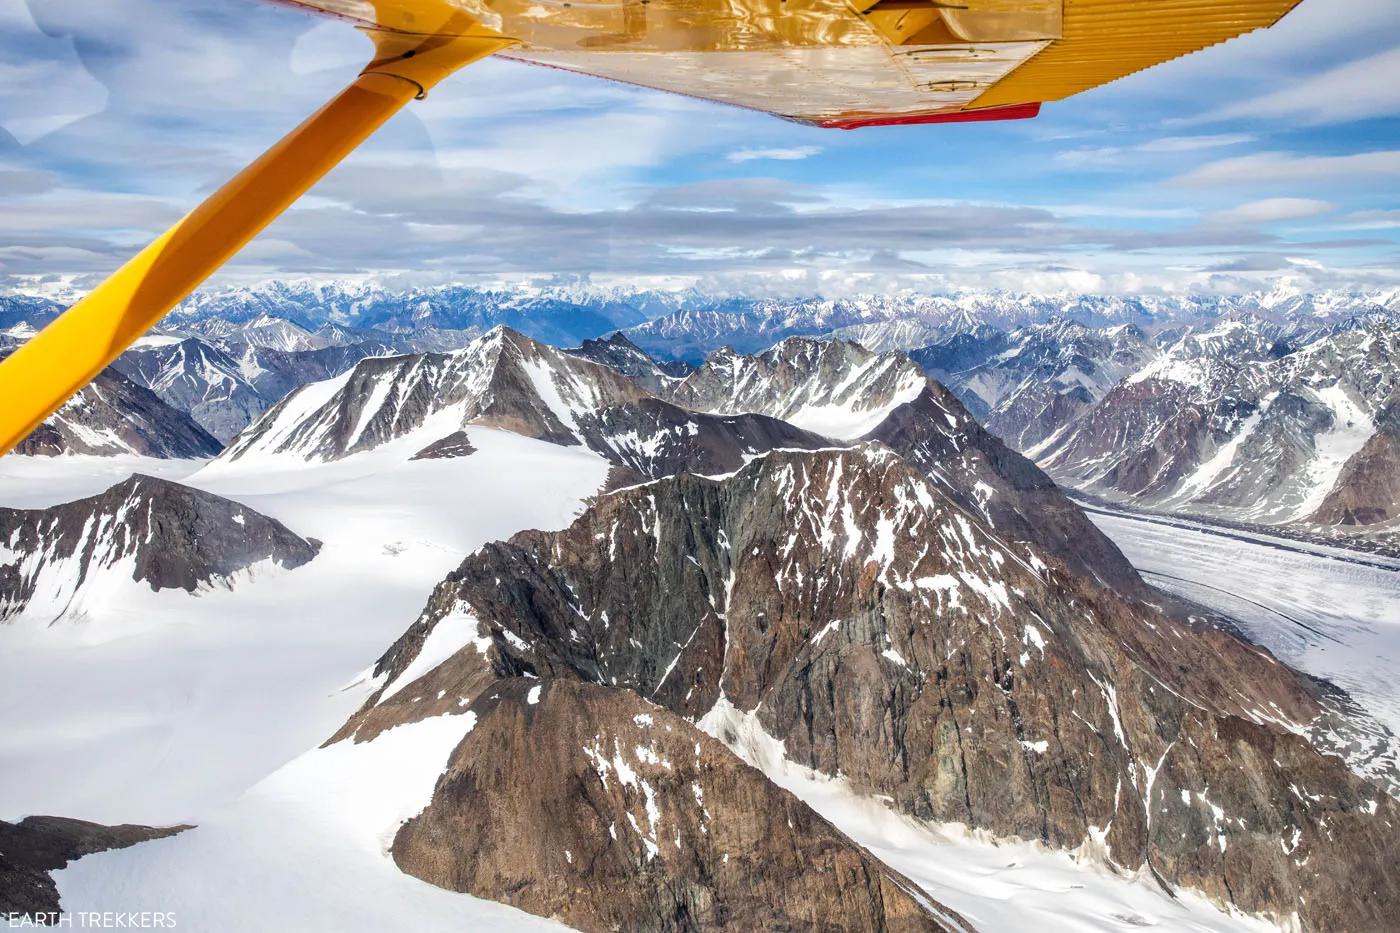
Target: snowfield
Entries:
(188, 700)
(304, 850)
(39, 482)
(1326, 611)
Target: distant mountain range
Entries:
(1245, 420)
(1266, 408)
(683, 324)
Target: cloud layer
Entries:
(1275, 156)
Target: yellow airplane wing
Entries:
(835, 63)
(847, 63)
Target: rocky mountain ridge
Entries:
(34, 847)
(848, 393)
(801, 394)
(910, 650)
(1222, 424)
(142, 530)
(112, 415)
(1244, 421)
(257, 343)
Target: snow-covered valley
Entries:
(1326, 611)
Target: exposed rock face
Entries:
(266, 331)
(962, 352)
(224, 383)
(980, 473)
(1222, 425)
(454, 445)
(146, 529)
(881, 632)
(111, 415)
(621, 354)
(38, 845)
(886, 398)
(633, 819)
(507, 381)
(1032, 382)
(503, 380)
(796, 395)
(834, 388)
(900, 334)
(1368, 489)
(652, 438)
(191, 375)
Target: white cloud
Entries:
(1372, 220)
(1125, 157)
(1358, 90)
(1195, 143)
(1270, 211)
(1103, 155)
(1267, 168)
(45, 87)
(792, 154)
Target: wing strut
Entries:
(46, 371)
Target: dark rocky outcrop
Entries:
(454, 445)
(652, 438)
(1009, 492)
(113, 415)
(173, 535)
(38, 845)
(881, 631)
(632, 819)
(621, 354)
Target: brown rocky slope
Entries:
(630, 819)
(886, 634)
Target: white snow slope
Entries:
(1332, 613)
(187, 700)
(167, 708)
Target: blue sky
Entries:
(1274, 157)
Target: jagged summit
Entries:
(503, 379)
(1223, 425)
(621, 354)
(422, 403)
(834, 388)
(844, 391)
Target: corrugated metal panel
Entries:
(1105, 40)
